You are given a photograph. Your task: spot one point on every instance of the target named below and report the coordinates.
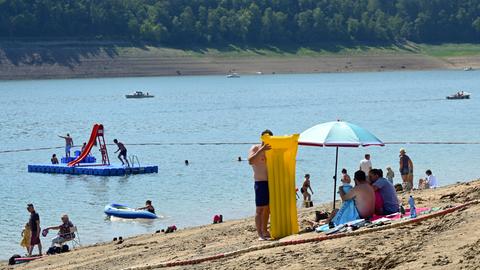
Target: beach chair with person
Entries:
(67, 232)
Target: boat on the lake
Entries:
(139, 94)
(460, 95)
(123, 211)
(468, 69)
(233, 75)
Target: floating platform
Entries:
(100, 170)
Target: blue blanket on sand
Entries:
(348, 211)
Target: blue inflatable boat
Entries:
(123, 211)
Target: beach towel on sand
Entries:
(348, 211)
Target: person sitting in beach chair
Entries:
(66, 231)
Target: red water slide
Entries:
(97, 131)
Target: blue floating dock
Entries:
(100, 170)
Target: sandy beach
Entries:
(449, 241)
(57, 60)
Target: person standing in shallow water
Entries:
(257, 159)
(406, 170)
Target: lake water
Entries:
(396, 106)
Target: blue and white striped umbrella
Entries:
(338, 134)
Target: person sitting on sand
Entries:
(431, 179)
(347, 212)
(148, 206)
(54, 159)
(65, 232)
(363, 197)
(123, 152)
(422, 184)
(305, 187)
(387, 192)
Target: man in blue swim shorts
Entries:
(256, 158)
(68, 144)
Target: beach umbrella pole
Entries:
(335, 179)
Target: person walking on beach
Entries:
(35, 230)
(257, 159)
(68, 144)
(123, 152)
(366, 165)
(304, 190)
(406, 170)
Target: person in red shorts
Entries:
(35, 228)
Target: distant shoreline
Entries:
(62, 60)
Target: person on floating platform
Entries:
(257, 159)
(83, 147)
(305, 187)
(68, 144)
(123, 152)
(54, 159)
(148, 206)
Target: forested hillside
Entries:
(213, 22)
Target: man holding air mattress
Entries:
(256, 158)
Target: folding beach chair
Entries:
(73, 237)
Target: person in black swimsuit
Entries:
(123, 152)
(148, 206)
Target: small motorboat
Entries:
(123, 211)
(468, 69)
(233, 75)
(460, 95)
(139, 94)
